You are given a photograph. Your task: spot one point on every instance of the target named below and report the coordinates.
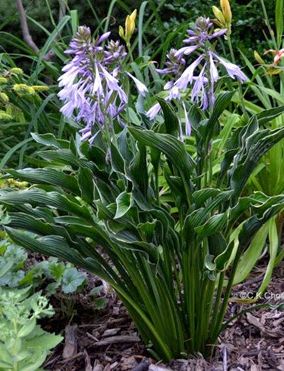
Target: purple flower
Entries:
(139, 85)
(199, 72)
(233, 70)
(91, 91)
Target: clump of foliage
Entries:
(140, 198)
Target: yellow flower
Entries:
(129, 29)
(3, 80)
(40, 88)
(226, 10)
(16, 71)
(23, 89)
(4, 116)
(4, 97)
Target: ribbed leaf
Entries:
(50, 140)
(123, 204)
(170, 146)
(170, 118)
(47, 176)
(86, 184)
(253, 149)
(39, 197)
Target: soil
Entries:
(106, 339)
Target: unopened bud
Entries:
(219, 15)
(4, 116)
(258, 58)
(16, 71)
(39, 88)
(3, 80)
(23, 89)
(226, 10)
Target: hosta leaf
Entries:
(47, 176)
(48, 245)
(123, 204)
(138, 171)
(39, 197)
(269, 114)
(86, 184)
(248, 158)
(170, 118)
(215, 224)
(221, 103)
(50, 140)
(60, 156)
(170, 146)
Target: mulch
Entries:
(106, 339)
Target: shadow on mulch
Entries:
(107, 340)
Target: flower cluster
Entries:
(90, 87)
(202, 73)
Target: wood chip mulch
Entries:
(107, 340)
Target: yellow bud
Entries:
(40, 88)
(5, 116)
(130, 25)
(23, 89)
(226, 10)
(4, 97)
(3, 80)
(16, 71)
(258, 58)
(219, 15)
(121, 32)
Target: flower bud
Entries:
(258, 58)
(23, 89)
(4, 116)
(121, 32)
(3, 80)
(40, 88)
(4, 97)
(219, 16)
(226, 10)
(127, 33)
(16, 71)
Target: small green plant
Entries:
(24, 345)
(58, 275)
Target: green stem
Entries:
(224, 305)
(239, 83)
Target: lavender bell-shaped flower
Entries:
(201, 74)
(91, 91)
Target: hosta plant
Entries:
(140, 215)
(142, 206)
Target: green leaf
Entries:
(86, 184)
(124, 203)
(170, 118)
(72, 279)
(50, 140)
(253, 148)
(170, 146)
(279, 14)
(47, 176)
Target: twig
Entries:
(24, 26)
(118, 339)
